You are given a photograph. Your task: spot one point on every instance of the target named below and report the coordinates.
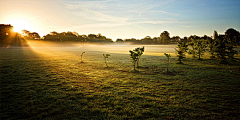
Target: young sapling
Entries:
(105, 58)
(168, 56)
(139, 52)
(81, 57)
(181, 49)
(134, 56)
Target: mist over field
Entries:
(56, 48)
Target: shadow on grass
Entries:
(33, 87)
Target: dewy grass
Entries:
(55, 86)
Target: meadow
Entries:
(47, 81)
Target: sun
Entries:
(19, 25)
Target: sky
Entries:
(122, 18)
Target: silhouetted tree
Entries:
(220, 47)
(215, 34)
(34, 35)
(133, 41)
(192, 37)
(147, 40)
(156, 40)
(175, 39)
(53, 33)
(223, 46)
(185, 40)
(165, 37)
(119, 40)
(233, 35)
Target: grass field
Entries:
(47, 81)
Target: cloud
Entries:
(98, 16)
(111, 13)
(159, 22)
(100, 25)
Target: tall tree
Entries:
(175, 39)
(233, 35)
(165, 37)
(147, 40)
(119, 40)
(220, 47)
(215, 34)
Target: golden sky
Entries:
(122, 19)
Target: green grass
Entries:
(51, 83)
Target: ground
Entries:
(48, 81)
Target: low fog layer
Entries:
(51, 47)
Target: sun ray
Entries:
(20, 25)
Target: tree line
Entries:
(164, 38)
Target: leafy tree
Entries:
(233, 35)
(184, 39)
(223, 46)
(132, 41)
(220, 47)
(230, 47)
(105, 58)
(53, 33)
(200, 48)
(81, 57)
(195, 37)
(165, 37)
(175, 39)
(147, 40)
(34, 35)
(211, 48)
(192, 48)
(119, 40)
(168, 56)
(155, 40)
(181, 49)
(134, 56)
(139, 52)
